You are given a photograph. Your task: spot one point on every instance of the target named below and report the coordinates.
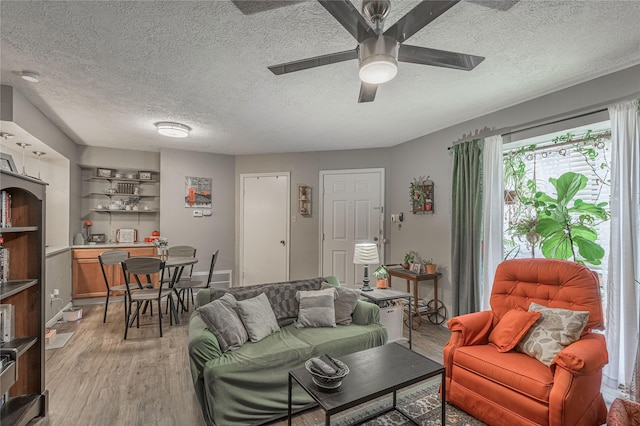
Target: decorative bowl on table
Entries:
(325, 381)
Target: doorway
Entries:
(352, 211)
(264, 228)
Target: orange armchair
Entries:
(513, 388)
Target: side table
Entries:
(436, 312)
(377, 296)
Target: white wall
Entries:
(305, 169)
(177, 223)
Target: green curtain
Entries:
(466, 226)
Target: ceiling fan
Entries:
(379, 50)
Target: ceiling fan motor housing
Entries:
(378, 58)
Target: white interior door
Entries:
(352, 212)
(264, 229)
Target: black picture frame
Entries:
(98, 238)
(144, 175)
(7, 164)
(104, 172)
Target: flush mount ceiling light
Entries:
(173, 130)
(378, 59)
(30, 76)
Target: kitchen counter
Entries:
(87, 279)
(110, 245)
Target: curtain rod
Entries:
(548, 123)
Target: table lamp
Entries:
(366, 254)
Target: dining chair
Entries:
(112, 259)
(180, 251)
(144, 267)
(187, 285)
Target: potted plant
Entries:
(408, 259)
(382, 277)
(430, 267)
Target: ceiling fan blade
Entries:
(317, 61)
(349, 18)
(249, 7)
(419, 16)
(438, 58)
(367, 92)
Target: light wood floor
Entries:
(98, 378)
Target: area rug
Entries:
(421, 402)
(60, 340)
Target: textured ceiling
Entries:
(111, 69)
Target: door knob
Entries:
(375, 238)
(282, 242)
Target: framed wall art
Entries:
(145, 176)
(104, 173)
(7, 164)
(197, 192)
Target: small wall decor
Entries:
(197, 192)
(7, 163)
(421, 194)
(304, 200)
(145, 176)
(105, 173)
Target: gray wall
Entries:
(58, 275)
(428, 155)
(177, 223)
(305, 169)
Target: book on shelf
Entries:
(7, 322)
(5, 207)
(4, 265)
(422, 306)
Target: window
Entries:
(530, 163)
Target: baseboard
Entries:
(57, 316)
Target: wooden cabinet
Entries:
(87, 279)
(24, 290)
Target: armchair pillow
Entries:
(258, 317)
(511, 328)
(556, 329)
(317, 308)
(221, 319)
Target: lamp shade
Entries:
(366, 254)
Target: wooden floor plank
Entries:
(98, 378)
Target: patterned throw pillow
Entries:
(511, 328)
(556, 329)
(316, 308)
(258, 317)
(221, 319)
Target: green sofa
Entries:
(249, 385)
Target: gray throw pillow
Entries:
(345, 304)
(221, 319)
(316, 308)
(258, 317)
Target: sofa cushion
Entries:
(316, 308)
(282, 296)
(556, 329)
(345, 304)
(511, 328)
(257, 317)
(512, 370)
(222, 320)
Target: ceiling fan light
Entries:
(378, 71)
(173, 130)
(378, 58)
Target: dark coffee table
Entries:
(372, 373)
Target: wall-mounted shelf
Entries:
(422, 197)
(304, 200)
